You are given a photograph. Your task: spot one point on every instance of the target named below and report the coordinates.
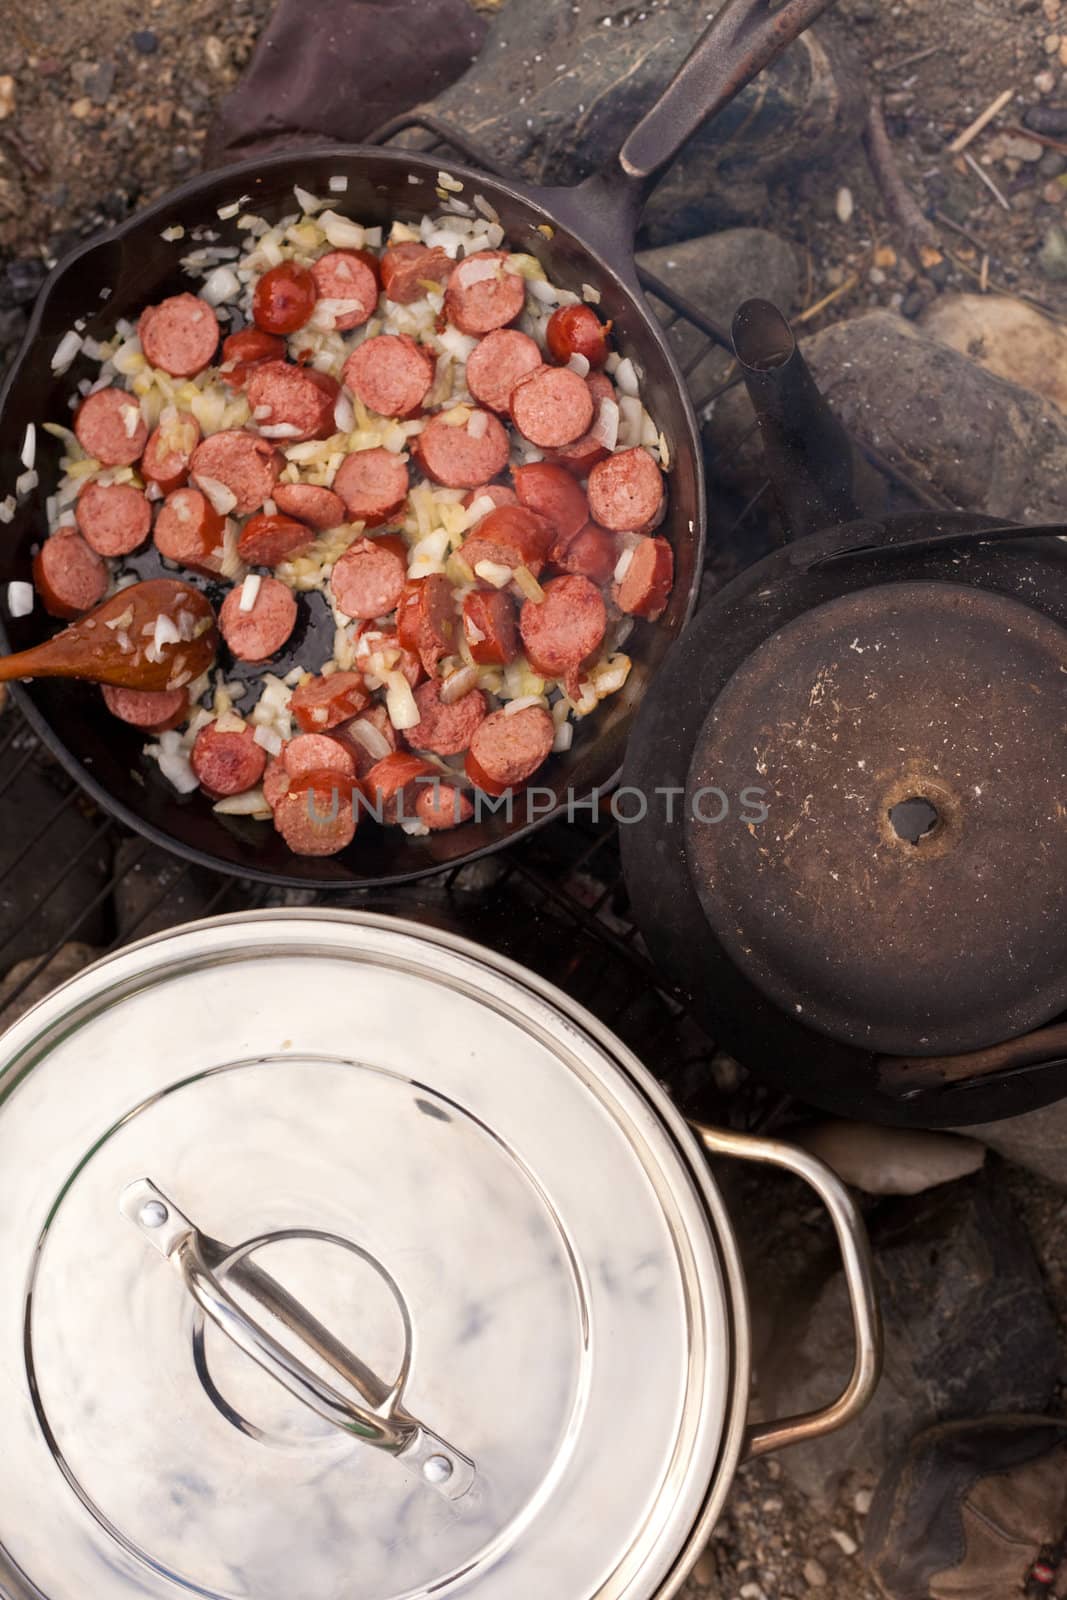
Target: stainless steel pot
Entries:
(346, 1258)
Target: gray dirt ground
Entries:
(104, 106)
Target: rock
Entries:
(1052, 257)
(815, 1575)
(1007, 337)
(1017, 148)
(1044, 83)
(1051, 120)
(985, 443)
(890, 1160)
(1037, 1141)
(145, 42)
(68, 959)
(1052, 164)
(556, 89)
(7, 96)
(968, 1329)
(716, 273)
(61, 854)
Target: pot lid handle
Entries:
(385, 1426)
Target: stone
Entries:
(985, 443)
(145, 42)
(1007, 337)
(1037, 1141)
(55, 843)
(557, 88)
(1050, 120)
(7, 96)
(68, 960)
(1052, 163)
(890, 1160)
(1052, 257)
(815, 1575)
(715, 273)
(1013, 145)
(968, 1331)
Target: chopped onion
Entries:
(250, 803)
(7, 508)
(165, 632)
(220, 285)
(622, 566)
(478, 424)
(308, 203)
(338, 183)
(66, 350)
(522, 703)
(446, 181)
(545, 292)
(473, 632)
(579, 364)
(174, 764)
(224, 213)
(590, 295)
(626, 377)
(400, 702)
(131, 420)
(222, 498)
(469, 272)
(606, 426)
(29, 447)
(631, 421)
(20, 598)
(344, 414)
(268, 740)
(371, 738)
(25, 483)
(340, 232)
(528, 584)
(564, 737)
(479, 508)
(277, 430)
(250, 591)
(457, 684)
(175, 231)
(494, 572)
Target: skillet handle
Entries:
(743, 38)
(762, 1437)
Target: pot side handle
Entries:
(763, 1437)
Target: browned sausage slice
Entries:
(315, 752)
(508, 747)
(349, 735)
(496, 365)
(169, 451)
(585, 452)
(180, 335)
(109, 426)
(324, 703)
(189, 531)
(564, 628)
(295, 398)
(407, 268)
(508, 536)
(426, 619)
(267, 540)
(227, 762)
(552, 407)
(373, 485)
(260, 633)
(368, 580)
(154, 711)
(391, 374)
(113, 517)
(311, 503)
(453, 455)
(481, 295)
(69, 576)
(647, 581)
(591, 552)
(490, 627)
(390, 786)
(347, 278)
(316, 815)
(626, 491)
(498, 493)
(445, 730)
(245, 465)
(442, 805)
(552, 492)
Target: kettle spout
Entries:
(809, 456)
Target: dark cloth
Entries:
(334, 70)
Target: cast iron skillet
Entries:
(592, 242)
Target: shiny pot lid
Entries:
(341, 1262)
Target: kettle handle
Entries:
(763, 1437)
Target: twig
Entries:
(960, 143)
(987, 180)
(965, 233)
(913, 60)
(899, 199)
(1039, 138)
(983, 276)
(835, 294)
(1012, 294)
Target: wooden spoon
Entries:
(115, 642)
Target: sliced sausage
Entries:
(348, 279)
(275, 782)
(324, 703)
(311, 503)
(445, 730)
(454, 456)
(390, 786)
(316, 815)
(180, 335)
(391, 374)
(153, 711)
(497, 363)
(552, 407)
(68, 575)
(626, 491)
(490, 627)
(407, 268)
(442, 805)
(244, 351)
(577, 331)
(647, 581)
(110, 428)
(426, 619)
(498, 493)
(564, 628)
(227, 763)
(284, 298)
(260, 633)
(552, 492)
(189, 531)
(591, 552)
(350, 733)
(113, 517)
(170, 450)
(482, 296)
(368, 580)
(315, 752)
(295, 398)
(585, 452)
(373, 485)
(508, 536)
(507, 748)
(379, 650)
(245, 465)
(267, 540)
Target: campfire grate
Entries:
(556, 901)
